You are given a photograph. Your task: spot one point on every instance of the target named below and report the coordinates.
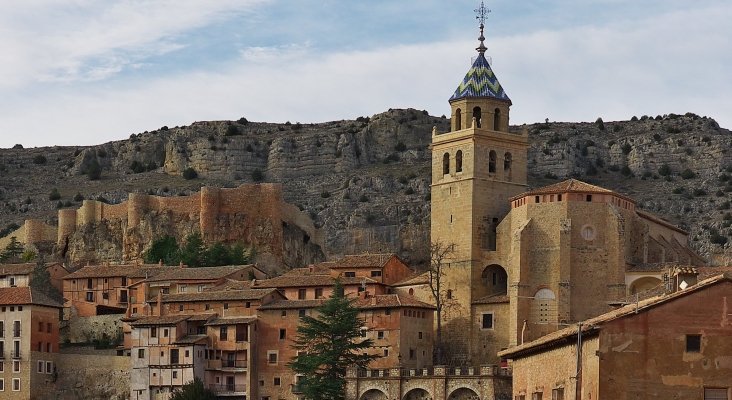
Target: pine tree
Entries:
(12, 251)
(193, 390)
(330, 343)
(40, 280)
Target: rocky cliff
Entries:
(366, 182)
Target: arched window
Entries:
(446, 164)
(497, 120)
(492, 162)
(411, 291)
(459, 161)
(507, 166)
(544, 307)
(495, 279)
(476, 115)
(458, 119)
(449, 293)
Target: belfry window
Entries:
(497, 119)
(446, 164)
(458, 119)
(491, 162)
(476, 115)
(507, 158)
(459, 161)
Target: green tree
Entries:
(330, 343)
(94, 170)
(193, 251)
(164, 249)
(54, 195)
(193, 390)
(12, 251)
(40, 280)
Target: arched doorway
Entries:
(643, 284)
(373, 394)
(417, 394)
(495, 279)
(463, 394)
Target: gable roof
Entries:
(571, 186)
(420, 278)
(362, 261)
(26, 295)
(199, 273)
(246, 294)
(593, 325)
(315, 280)
(481, 82)
(123, 270)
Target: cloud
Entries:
(675, 62)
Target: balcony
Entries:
(228, 364)
(297, 388)
(229, 390)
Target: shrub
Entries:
(591, 170)
(409, 191)
(550, 175)
(164, 128)
(719, 193)
(190, 173)
(137, 167)
(724, 206)
(678, 190)
(363, 198)
(94, 170)
(249, 148)
(152, 166)
(101, 153)
(716, 238)
(232, 130)
(626, 171)
(700, 192)
(626, 148)
(39, 159)
(634, 119)
(242, 121)
(60, 204)
(600, 124)
(257, 175)
(78, 197)
(297, 126)
(664, 170)
(657, 137)
(400, 147)
(325, 194)
(614, 168)
(54, 195)
(18, 146)
(688, 174)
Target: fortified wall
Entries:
(253, 214)
(32, 232)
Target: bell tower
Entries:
(476, 168)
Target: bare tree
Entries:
(439, 254)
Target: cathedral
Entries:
(525, 263)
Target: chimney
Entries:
(160, 262)
(160, 303)
(373, 301)
(181, 264)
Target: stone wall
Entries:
(92, 377)
(32, 231)
(87, 329)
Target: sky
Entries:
(84, 72)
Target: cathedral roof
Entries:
(571, 186)
(480, 81)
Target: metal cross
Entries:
(481, 13)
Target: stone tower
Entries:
(476, 168)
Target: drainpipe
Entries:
(578, 374)
(523, 329)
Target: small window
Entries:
(283, 313)
(301, 294)
(537, 199)
(247, 304)
(180, 307)
(412, 354)
(537, 396)
(40, 367)
(318, 293)
(375, 274)
(2, 385)
(419, 335)
(445, 163)
(491, 162)
(487, 321)
(558, 394)
(272, 357)
(175, 374)
(559, 197)
(301, 313)
(16, 384)
(187, 353)
(226, 306)
(49, 367)
(588, 197)
(154, 332)
(459, 161)
(283, 334)
(350, 274)
(380, 334)
(207, 306)
(276, 381)
(140, 353)
(716, 393)
(16, 366)
(90, 296)
(449, 293)
(693, 343)
(223, 333)
(386, 352)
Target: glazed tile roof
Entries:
(201, 273)
(26, 295)
(595, 324)
(480, 81)
(247, 294)
(231, 321)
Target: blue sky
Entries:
(86, 72)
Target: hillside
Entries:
(366, 181)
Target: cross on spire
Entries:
(481, 13)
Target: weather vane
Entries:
(481, 12)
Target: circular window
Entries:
(588, 232)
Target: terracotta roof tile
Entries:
(594, 324)
(160, 320)
(283, 281)
(231, 321)
(192, 339)
(492, 299)
(390, 301)
(291, 304)
(571, 186)
(17, 269)
(362, 261)
(247, 294)
(420, 278)
(200, 273)
(128, 270)
(26, 295)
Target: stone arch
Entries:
(477, 116)
(544, 309)
(417, 394)
(491, 162)
(459, 161)
(445, 163)
(463, 393)
(495, 279)
(497, 119)
(458, 119)
(373, 394)
(644, 283)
